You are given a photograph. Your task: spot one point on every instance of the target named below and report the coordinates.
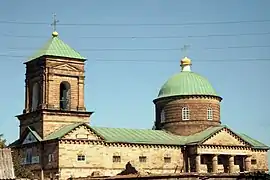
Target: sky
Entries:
(133, 47)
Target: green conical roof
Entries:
(56, 47)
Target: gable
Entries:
(225, 137)
(65, 67)
(81, 132)
(30, 138)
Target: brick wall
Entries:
(198, 114)
(261, 160)
(54, 121)
(100, 158)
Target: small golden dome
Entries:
(185, 61)
(55, 34)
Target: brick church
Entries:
(57, 140)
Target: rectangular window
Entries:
(142, 159)
(81, 157)
(28, 156)
(210, 114)
(116, 159)
(50, 158)
(185, 113)
(253, 161)
(167, 159)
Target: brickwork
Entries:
(71, 72)
(49, 73)
(100, 158)
(52, 150)
(53, 121)
(81, 152)
(81, 132)
(31, 119)
(225, 138)
(261, 159)
(197, 114)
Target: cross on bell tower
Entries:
(55, 21)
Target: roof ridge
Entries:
(123, 128)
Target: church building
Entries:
(56, 139)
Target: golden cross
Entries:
(55, 21)
(184, 49)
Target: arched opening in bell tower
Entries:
(64, 96)
(35, 96)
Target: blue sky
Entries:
(119, 90)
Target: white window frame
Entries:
(185, 113)
(162, 116)
(209, 113)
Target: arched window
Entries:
(185, 113)
(35, 96)
(64, 96)
(210, 113)
(162, 116)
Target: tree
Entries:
(20, 170)
(2, 141)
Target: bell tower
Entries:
(54, 88)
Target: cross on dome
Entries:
(185, 62)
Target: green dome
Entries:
(186, 83)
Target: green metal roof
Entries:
(62, 131)
(186, 83)
(147, 136)
(142, 136)
(256, 144)
(56, 47)
(202, 136)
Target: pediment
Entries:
(225, 137)
(30, 138)
(82, 132)
(65, 67)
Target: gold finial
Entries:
(185, 61)
(55, 33)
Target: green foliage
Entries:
(20, 170)
(2, 141)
